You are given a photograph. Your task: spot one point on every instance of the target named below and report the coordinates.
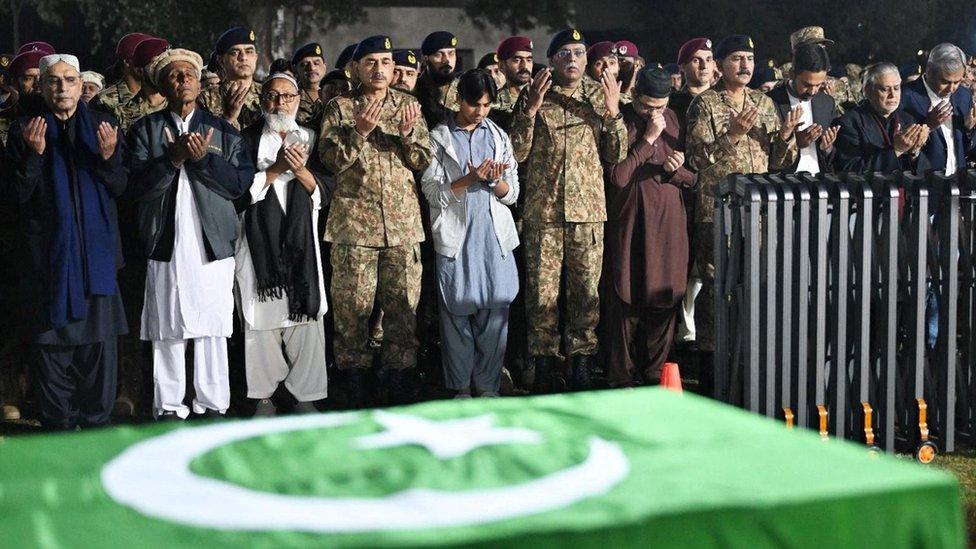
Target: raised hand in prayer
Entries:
(740, 124)
(197, 144)
(235, 98)
(828, 138)
(34, 131)
(368, 118)
(808, 135)
(108, 137)
(674, 161)
(409, 117)
(537, 91)
(611, 93)
(175, 148)
(791, 122)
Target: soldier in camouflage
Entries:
(8, 96)
(309, 65)
(515, 61)
(238, 98)
(149, 99)
(128, 86)
(627, 55)
(372, 138)
(731, 129)
(406, 68)
(437, 85)
(563, 125)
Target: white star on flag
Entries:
(444, 439)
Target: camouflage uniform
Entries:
(714, 157)
(501, 109)
(309, 110)
(565, 209)
(111, 97)
(127, 113)
(212, 99)
(375, 228)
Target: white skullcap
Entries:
(280, 76)
(92, 77)
(49, 61)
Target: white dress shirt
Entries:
(808, 154)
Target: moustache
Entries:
(744, 73)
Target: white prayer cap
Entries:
(280, 76)
(92, 77)
(49, 61)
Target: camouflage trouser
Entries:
(548, 247)
(704, 268)
(391, 276)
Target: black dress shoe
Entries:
(168, 415)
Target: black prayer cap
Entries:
(568, 36)
(373, 44)
(734, 43)
(653, 82)
(234, 36)
(438, 41)
(308, 50)
(335, 75)
(406, 58)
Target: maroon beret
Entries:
(24, 61)
(625, 48)
(509, 46)
(690, 47)
(37, 46)
(126, 47)
(598, 50)
(147, 50)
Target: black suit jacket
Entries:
(862, 147)
(823, 113)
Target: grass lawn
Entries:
(962, 464)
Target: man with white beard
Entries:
(281, 290)
(186, 167)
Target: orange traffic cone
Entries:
(671, 377)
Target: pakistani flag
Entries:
(606, 469)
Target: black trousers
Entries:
(74, 384)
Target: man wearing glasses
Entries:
(281, 290)
(563, 126)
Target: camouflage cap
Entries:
(809, 35)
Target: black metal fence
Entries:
(847, 304)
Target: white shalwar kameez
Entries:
(189, 298)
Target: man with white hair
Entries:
(187, 166)
(68, 171)
(939, 101)
(281, 288)
(876, 135)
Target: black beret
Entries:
(308, 50)
(760, 76)
(335, 75)
(734, 43)
(487, 60)
(406, 58)
(653, 82)
(234, 36)
(438, 41)
(568, 36)
(345, 56)
(672, 68)
(373, 44)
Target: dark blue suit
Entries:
(916, 104)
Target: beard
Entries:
(280, 123)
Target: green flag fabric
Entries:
(641, 468)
